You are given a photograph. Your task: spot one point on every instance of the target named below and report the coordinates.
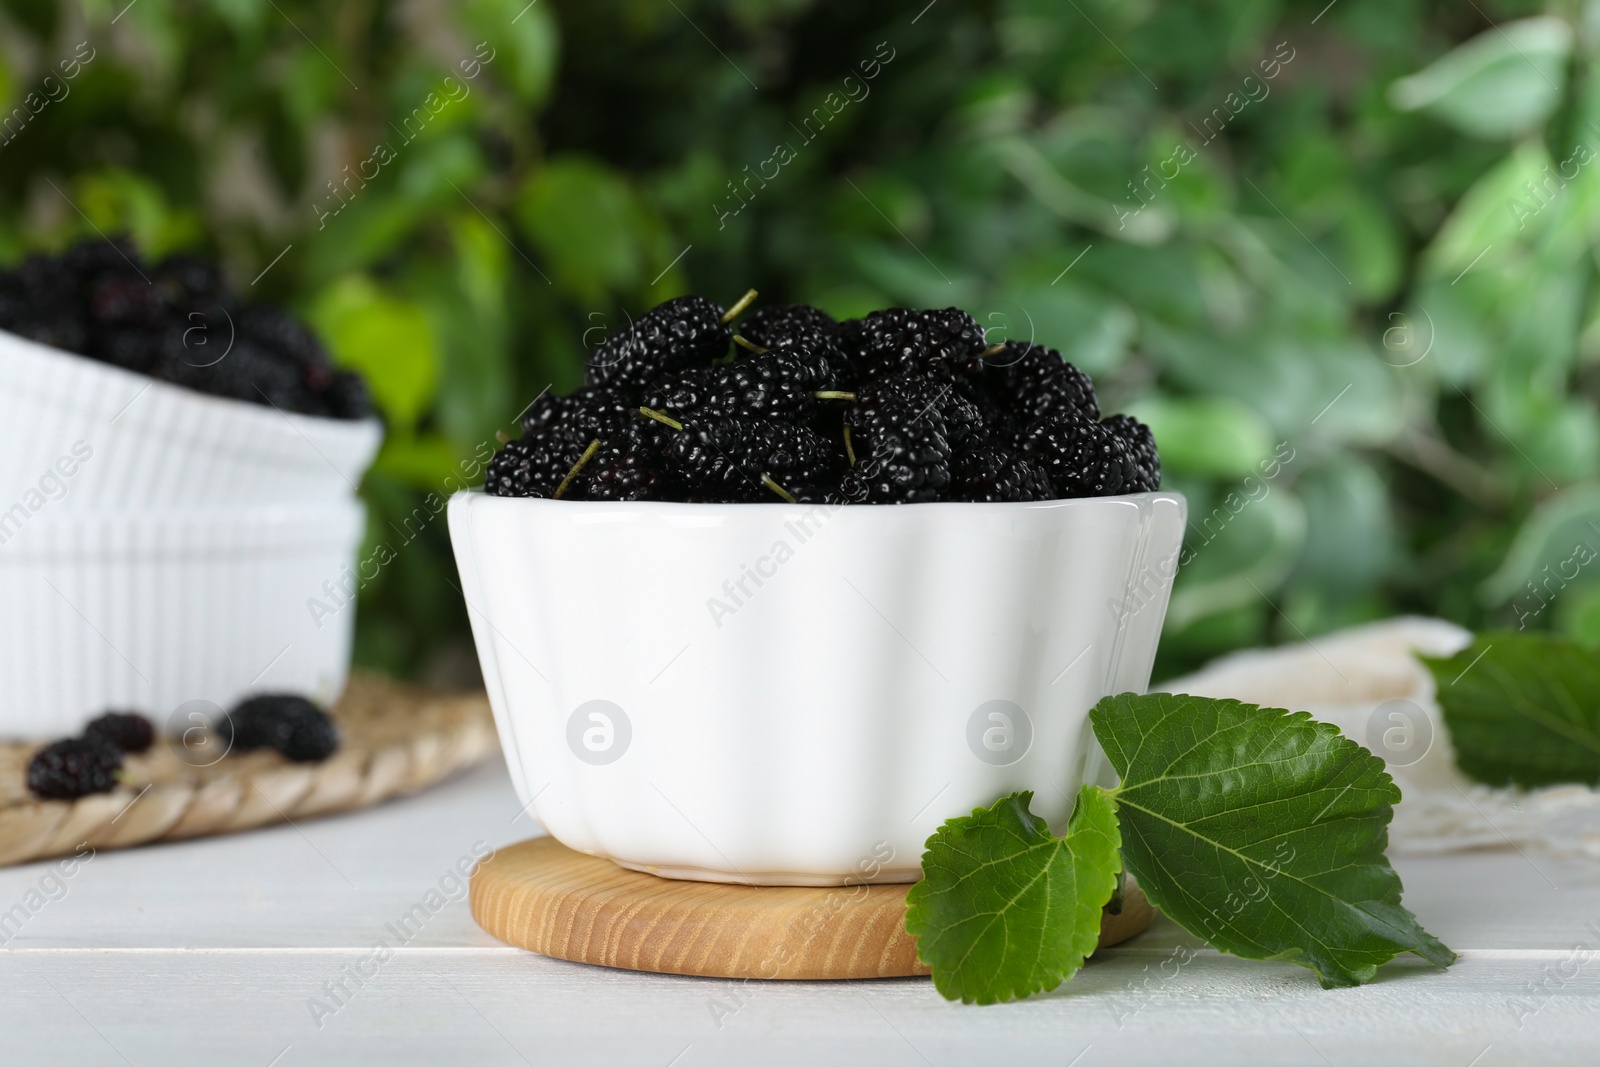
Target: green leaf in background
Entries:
(1502, 82)
(1089, 329)
(581, 215)
(1443, 326)
(1523, 709)
(426, 460)
(1302, 385)
(1023, 160)
(1497, 209)
(908, 278)
(1207, 436)
(120, 201)
(1372, 248)
(1005, 910)
(1261, 831)
(467, 298)
(1241, 543)
(386, 338)
(524, 40)
(243, 16)
(1578, 615)
(1554, 547)
(1349, 528)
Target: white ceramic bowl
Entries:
(150, 612)
(136, 443)
(799, 695)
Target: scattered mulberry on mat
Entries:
(291, 724)
(124, 731)
(73, 768)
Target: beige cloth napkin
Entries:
(1367, 682)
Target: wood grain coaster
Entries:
(394, 739)
(541, 895)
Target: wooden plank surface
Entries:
(220, 951)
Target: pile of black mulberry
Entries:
(174, 320)
(899, 407)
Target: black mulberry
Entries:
(73, 768)
(1032, 382)
(904, 341)
(962, 421)
(742, 460)
(1142, 444)
(801, 326)
(291, 724)
(124, 731)
(1082, 457)
(786, 323)
(683, 332)
(630, 466)
(993, 474)
(532, 465)
(902, 456)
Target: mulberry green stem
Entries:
(734, 312)
(766, 480)
(665, 420)
(594, 446)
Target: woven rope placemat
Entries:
(394, 739)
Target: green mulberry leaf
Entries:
(1523, 709)
(1005, 910)
(1262, 831)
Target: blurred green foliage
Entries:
(1363, 232)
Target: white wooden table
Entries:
(219, 952)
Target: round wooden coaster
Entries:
(394, 738)
(543, 896)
